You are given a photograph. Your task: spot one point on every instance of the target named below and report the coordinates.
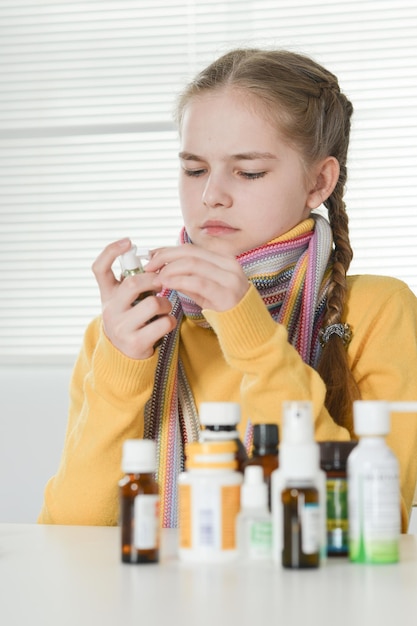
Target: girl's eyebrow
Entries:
(244, 156)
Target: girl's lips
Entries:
(218, 228)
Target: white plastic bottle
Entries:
(374, 487)
(209, 502)
(299, 466)
(254, 522)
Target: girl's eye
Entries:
(252, 175)
(194, 173)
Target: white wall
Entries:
(33, 416)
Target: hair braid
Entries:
(305, 102)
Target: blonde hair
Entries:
(313, 115)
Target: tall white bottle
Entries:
(374, 486)
(299, 462)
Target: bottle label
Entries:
(337, 515)
(208, 514)
(310, 524)
(260, 540)
(146, 522)
(374, 518)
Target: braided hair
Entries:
(304, 100)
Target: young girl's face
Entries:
(240, 184)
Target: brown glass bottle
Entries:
(139, 503)
(265, 451)
(301, 526)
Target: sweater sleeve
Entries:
(108, 393)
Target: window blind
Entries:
(88, 150)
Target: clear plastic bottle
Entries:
(265, 452)
(209, 502)
(374, 488)
(139, 503)
(220, 420)
(254, 522)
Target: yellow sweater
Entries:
(245, 358)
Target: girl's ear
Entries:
(323, 181)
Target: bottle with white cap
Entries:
(298, 492)
(374, 487)
(130, 263)
(254, 523)
(139, 502)
(220, 420)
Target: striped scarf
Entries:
(292, 275)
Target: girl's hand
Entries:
(213, 281)
(128, 327)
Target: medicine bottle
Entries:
(265, 452)
(209, 502)
(139, 502)
(220, 420)
(130, 263)
(301, 525)
(333, 460)
(254, 522)
(374, 490)
(298, 492)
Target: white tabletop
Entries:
(72, 575)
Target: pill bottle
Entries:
(265, 452)
(139, 502)
(219, 421)
(209, 502)
(333, 460)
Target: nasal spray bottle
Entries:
(298, 493)
(374, 486)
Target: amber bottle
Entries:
(301, 526)
(139, 503)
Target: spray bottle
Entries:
(298, 492)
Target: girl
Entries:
(254, 305)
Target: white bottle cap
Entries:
(371, 417)
(129, 260)
(298, 422)
(254, 490)
(299, 452)
(139, 456)
(219, 413)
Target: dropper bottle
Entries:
(254, 524)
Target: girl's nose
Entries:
(215, 194)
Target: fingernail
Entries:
(122, 242)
